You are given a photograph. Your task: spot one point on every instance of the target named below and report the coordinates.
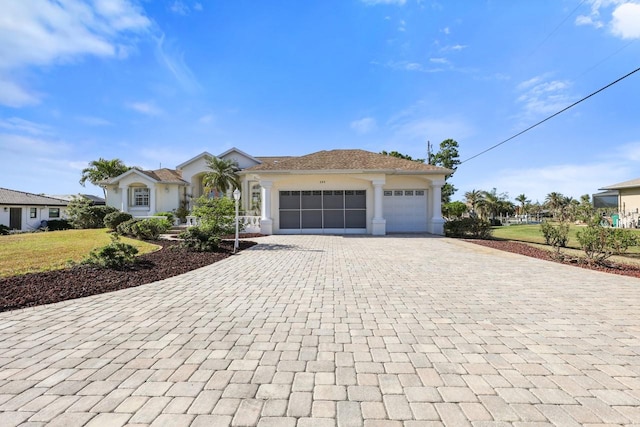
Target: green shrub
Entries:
(112, 220)
(469, 228)
(146, 229)
(58, 224)
(4, 230)
(83, 214)
(169, 215)
(600, 243)
(556, 235)
(218, 215)
(201, 239)
(116, 255)
(182, 212)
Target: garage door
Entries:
(332, 211)
(405, 211)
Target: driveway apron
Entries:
(335, 331)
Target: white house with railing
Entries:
(336, 192)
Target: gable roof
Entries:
(13, 197)
(242, 153)
(345, 160)
(193, 159)
(622, 185)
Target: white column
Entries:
(124, 196)
(378, 224)
(436, 225)
(266, 222)
(152, 200)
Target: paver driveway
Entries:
(327, 330)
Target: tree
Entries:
(554, 202)
(473, 199)
(454, 210)
(401, 156)
(493, 204)
(101, 170)
(522, 199)
(447, 157)
(223, 176)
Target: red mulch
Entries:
(34, 289)
(531, 251)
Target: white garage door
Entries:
(405, 211)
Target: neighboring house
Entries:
(26, 211)
(628, 202)
(337, 192)
(95, 200)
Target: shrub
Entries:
(4, 230)
(147, 229)
(169, 215)
(600, 243)
(58, 224)
(556, 235)
(112, 220)
(83, 214)
(201, 239)
(182, 212)
(472, 228)
(116, 255)
(217, 215)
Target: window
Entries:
(141, 196)
(33, 212)
(54, 212)
(408, 193)
(388, 193)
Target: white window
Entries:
(33, 212)
(141, 196)
(54, 212)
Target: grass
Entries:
(53, 250)
(530, 233)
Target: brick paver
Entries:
(335, 331)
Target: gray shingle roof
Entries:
(626, 184)
(13, 197)
(345, 160)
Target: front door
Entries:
(15, 218)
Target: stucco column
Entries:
(152, 200)
(436, 225)
(266, 222)
(378, 224)
(124, 196)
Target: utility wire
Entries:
(557, 27)
(552, 116)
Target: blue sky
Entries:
(158, 82)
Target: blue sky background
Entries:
(158, 82)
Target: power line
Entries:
(557, 27)
(552, 116)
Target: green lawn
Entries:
(531, 233)
(34, 252)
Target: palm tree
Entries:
(101, 170)
(554, 202)
(522, 199)
(223, 176)
(473, 199)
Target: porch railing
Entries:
(248, 223)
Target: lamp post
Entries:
(236, 197)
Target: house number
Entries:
(323, 182)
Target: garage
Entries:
(323, 211)
(405, 211)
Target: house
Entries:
(25, 211)
(95, 200)
(336, 192)
(628, 202)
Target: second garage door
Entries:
(405, 211)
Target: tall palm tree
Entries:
(554, 202)
(223, 176)
(522, 199)
(473, 199)
(101, 170)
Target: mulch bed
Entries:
(524, 249)
(34, 289)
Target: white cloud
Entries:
(446, 30)
(94, 121)
(409, 66)
(206, 119)
(626, 21)
(28, 146)
(16, 124)
(364, 125)
(180, 8)
(198, 7)
(375, 2)
(439, 60)
(39, 32)
(542, 97)
(173, 59)
(146, 108)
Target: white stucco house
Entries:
(24, 211)
(334, 192)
